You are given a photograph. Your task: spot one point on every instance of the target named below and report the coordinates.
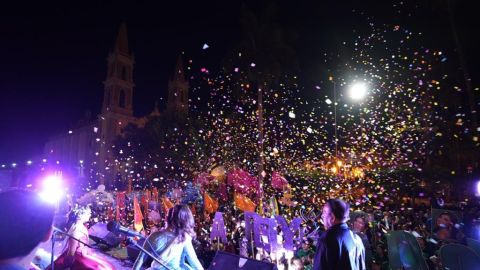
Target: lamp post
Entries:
(357, 91)
(335, 115)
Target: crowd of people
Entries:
(180, 232)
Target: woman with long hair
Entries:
(172, 245)
(77, 256)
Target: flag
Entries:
(242, 181)
(137, 215)
(155, 194)
(129, 187)
(121, 200)
(211, 205)
(148, 195)
(120, 205)
(274, 206)
(167, 204)
(117, 213)
(144, 201)
(110, 212)
(278, 181)
(243, 203)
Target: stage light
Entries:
(358, 91)
(478, 188)
(52, 188)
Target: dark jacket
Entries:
(339, 249)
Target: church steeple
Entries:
(121, 45)
(117, 110)
(119, 82)
(179, 74)
(178, 86)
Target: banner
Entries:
(218, 228)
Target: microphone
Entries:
(114, 227)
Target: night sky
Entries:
(53, 54)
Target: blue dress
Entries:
(175, 255)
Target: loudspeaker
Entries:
(230, 261)
(101, 235)
(133, 251)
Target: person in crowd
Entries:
(338, 247)
(25, 222)
(173, 245)
(305, 253)
(76, 255)
(359, 226)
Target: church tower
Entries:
(119, 82)
(117, 109)
(177, 103)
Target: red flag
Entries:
(121, 199)
(129, 187)
(155, 194)
(117, 213)
(120, 208)
(110, 212)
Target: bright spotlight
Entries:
(52, 189)
(478, 188)
(358, 91)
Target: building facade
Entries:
(90, 144)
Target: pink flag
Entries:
(278, 181)
(242, 181)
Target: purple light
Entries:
(52, 188)
(478, 188)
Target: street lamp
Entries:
(358, 91)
